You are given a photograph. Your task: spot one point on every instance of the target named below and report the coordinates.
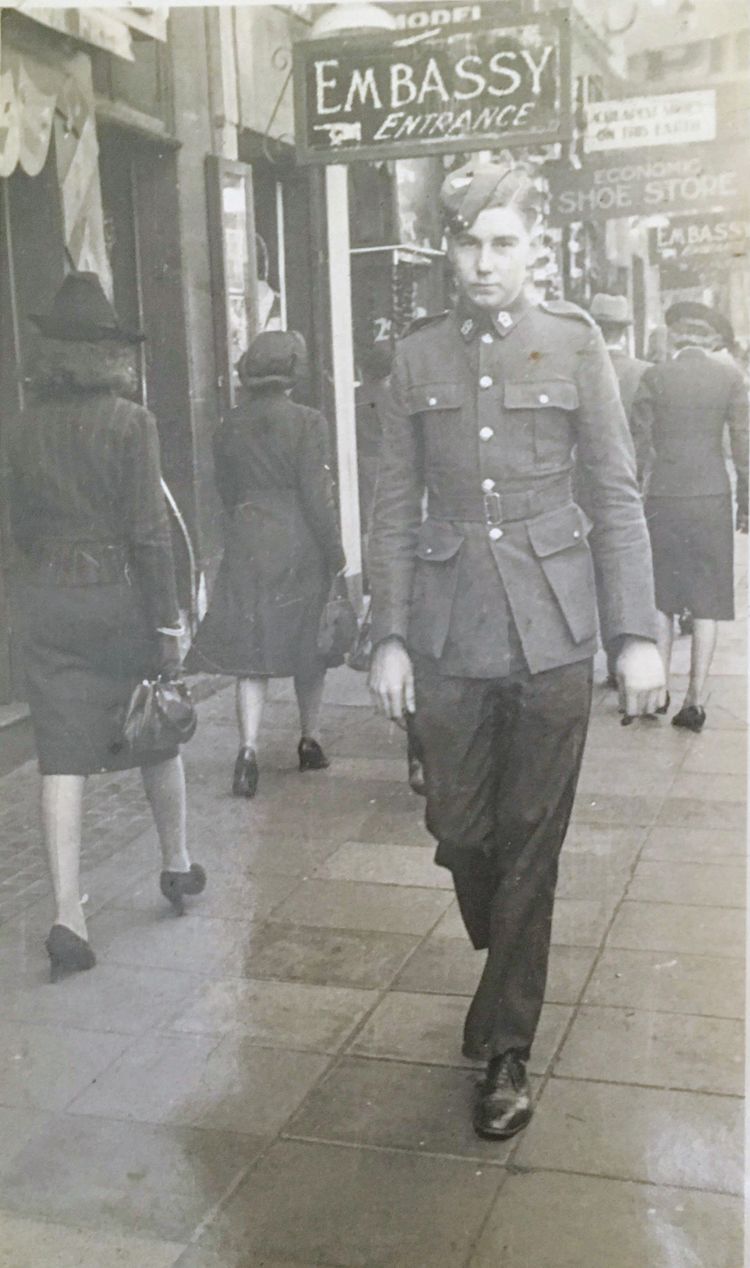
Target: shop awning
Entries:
(29, 94)
(35, 91)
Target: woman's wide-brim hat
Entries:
(275, 358)
(699, 319)
(81, 313)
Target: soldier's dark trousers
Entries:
(502, 758)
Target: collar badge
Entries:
(467, 328)
(505, 319)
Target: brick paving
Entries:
(276, 1080)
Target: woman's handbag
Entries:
(338, 626)
(361, 654)
(160, 715)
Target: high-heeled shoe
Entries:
(175, 885)
(68, 953)
(691, 717)
(311, 755)
(246, 774)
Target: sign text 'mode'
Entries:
(392, 95)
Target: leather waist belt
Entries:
(500, 508)
(79, 563)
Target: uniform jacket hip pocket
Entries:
(558, 540)
(437, 554)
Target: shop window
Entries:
(234, 267)
(270, 247)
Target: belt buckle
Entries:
(493, 509)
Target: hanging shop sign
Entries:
(637, 122)
(393, 95)
(692, 178)
(712, 239)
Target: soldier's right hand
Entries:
(392, 680)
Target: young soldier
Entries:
(484, 616)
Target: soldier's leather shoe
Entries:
(504, 1104)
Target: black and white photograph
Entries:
(374, 385)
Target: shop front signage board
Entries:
(692, 178)
(394, 94)
(634, 123)
(695, 239)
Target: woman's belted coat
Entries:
(282, 544)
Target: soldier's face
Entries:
(491, 257)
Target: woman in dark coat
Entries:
(98, 596)
(282, 550)
(681, 411)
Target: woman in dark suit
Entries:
(98, 596)
(282, 550)
(681, 411)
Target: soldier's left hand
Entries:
(640, 677)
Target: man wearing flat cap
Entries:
(681, 412)
(485, 614)
(613, 317)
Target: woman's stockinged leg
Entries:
(62, 806)
(165, 788)
(701, 655)
(251, 699)
(308, 688)
(665, 639)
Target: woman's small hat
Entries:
(81, 312)
(274, 358)
(611, 310)
(699, 321)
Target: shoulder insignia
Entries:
(563, 308)
(420, 323)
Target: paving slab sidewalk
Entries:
(275, 1081)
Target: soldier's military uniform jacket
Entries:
(488, 414)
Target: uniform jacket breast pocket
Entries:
(433, 399)
(437, 560)
(548, 407)
(436, 407)
(558, 540)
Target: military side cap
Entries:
(699, 319)
(476, 187)
(611, 310)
